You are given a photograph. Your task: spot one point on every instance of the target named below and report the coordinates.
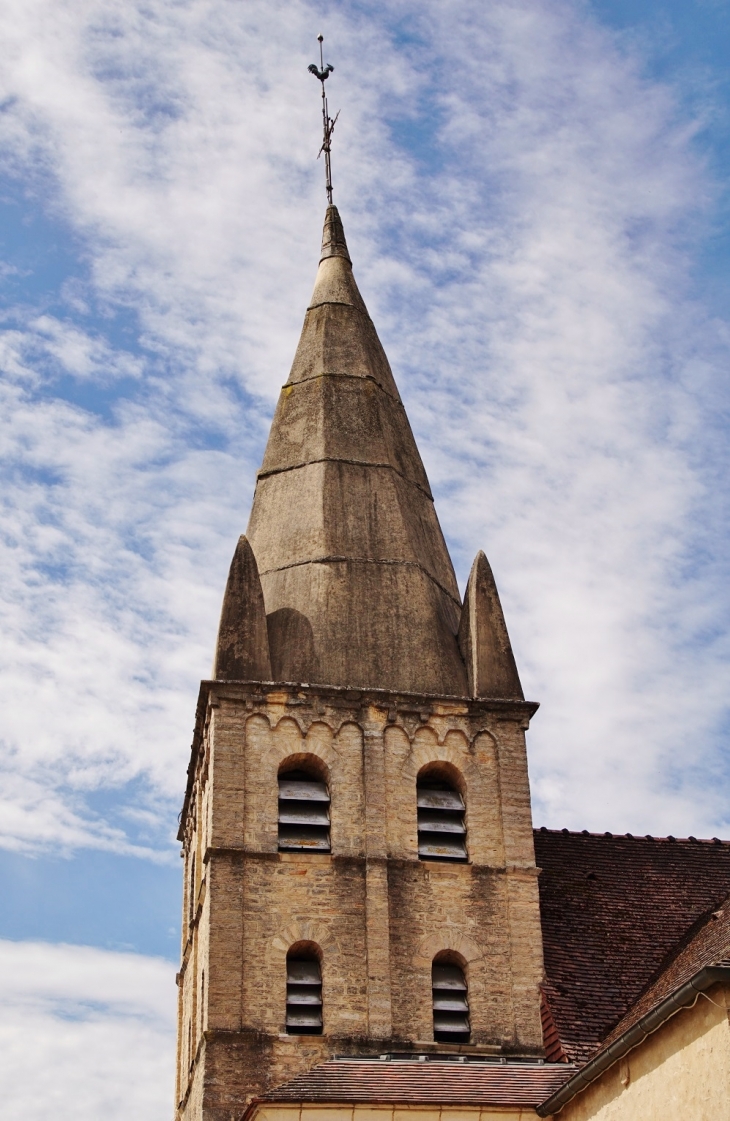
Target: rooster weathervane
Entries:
(322, 73)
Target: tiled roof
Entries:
(613, 909)
(554, 1052)
(709, 946)
(411, 1081)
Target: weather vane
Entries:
(323, 72)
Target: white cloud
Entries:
(85, 1033)
(522, 240)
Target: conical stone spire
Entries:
(242, 649)
(483, 638)
(357, 581)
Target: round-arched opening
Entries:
(304, 806)
(306, 762)
(304, 989)
(441, 809)
(439, 770)
(450, 997)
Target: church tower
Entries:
(359, 866)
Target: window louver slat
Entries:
(445, 849)
(450, 1005)
(303, 971)
(303, 790)
(448, 977)
(297, 837)
(434, 821)
(301, 996)
(429, 798)
(293, 813)
(451, 1022)
(299, 1018)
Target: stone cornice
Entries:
(291, 694)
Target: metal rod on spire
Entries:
(323, 72)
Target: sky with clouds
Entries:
(535, 198)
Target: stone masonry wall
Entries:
(377, 914)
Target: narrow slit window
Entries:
(191, 897)
(304, 813)
(450, 1005)
(441, 828)
(303, 996)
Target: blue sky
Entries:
(536, 199)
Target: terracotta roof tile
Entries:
(613, 909)
(710, 945)
(411, 1081)
(554, 1052)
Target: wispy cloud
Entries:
(85, 1033)
(522, 207)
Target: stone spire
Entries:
(483, 638)
(242, 649)
(357, 581)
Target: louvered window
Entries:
(441, 829)
(304, 813)
(303, 996)
(450, 1005)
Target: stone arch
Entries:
(455, 740)
(485, 747)
(319, 742)
(258, 722)
(287, 728)
(307, 761)
(426, 749)
(306, 948)
(447, 940)
(348, 735)
(444, 771)
(450, 957)
(425, 736)
(396, 739)
(304, 930)
(289, 740)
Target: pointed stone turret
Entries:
(483, 638)
(357, 580)
(242, 649)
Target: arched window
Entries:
(450, 1004)
(441, 828)
(304, 813)
(303, 994)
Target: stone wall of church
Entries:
(375, 913)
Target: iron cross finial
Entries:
(322, 73)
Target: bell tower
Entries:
(359, 867)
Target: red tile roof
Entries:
(554, 1052)
(710, 945)
(411, 1081)
(614, 909)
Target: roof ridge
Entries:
(633, 836)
